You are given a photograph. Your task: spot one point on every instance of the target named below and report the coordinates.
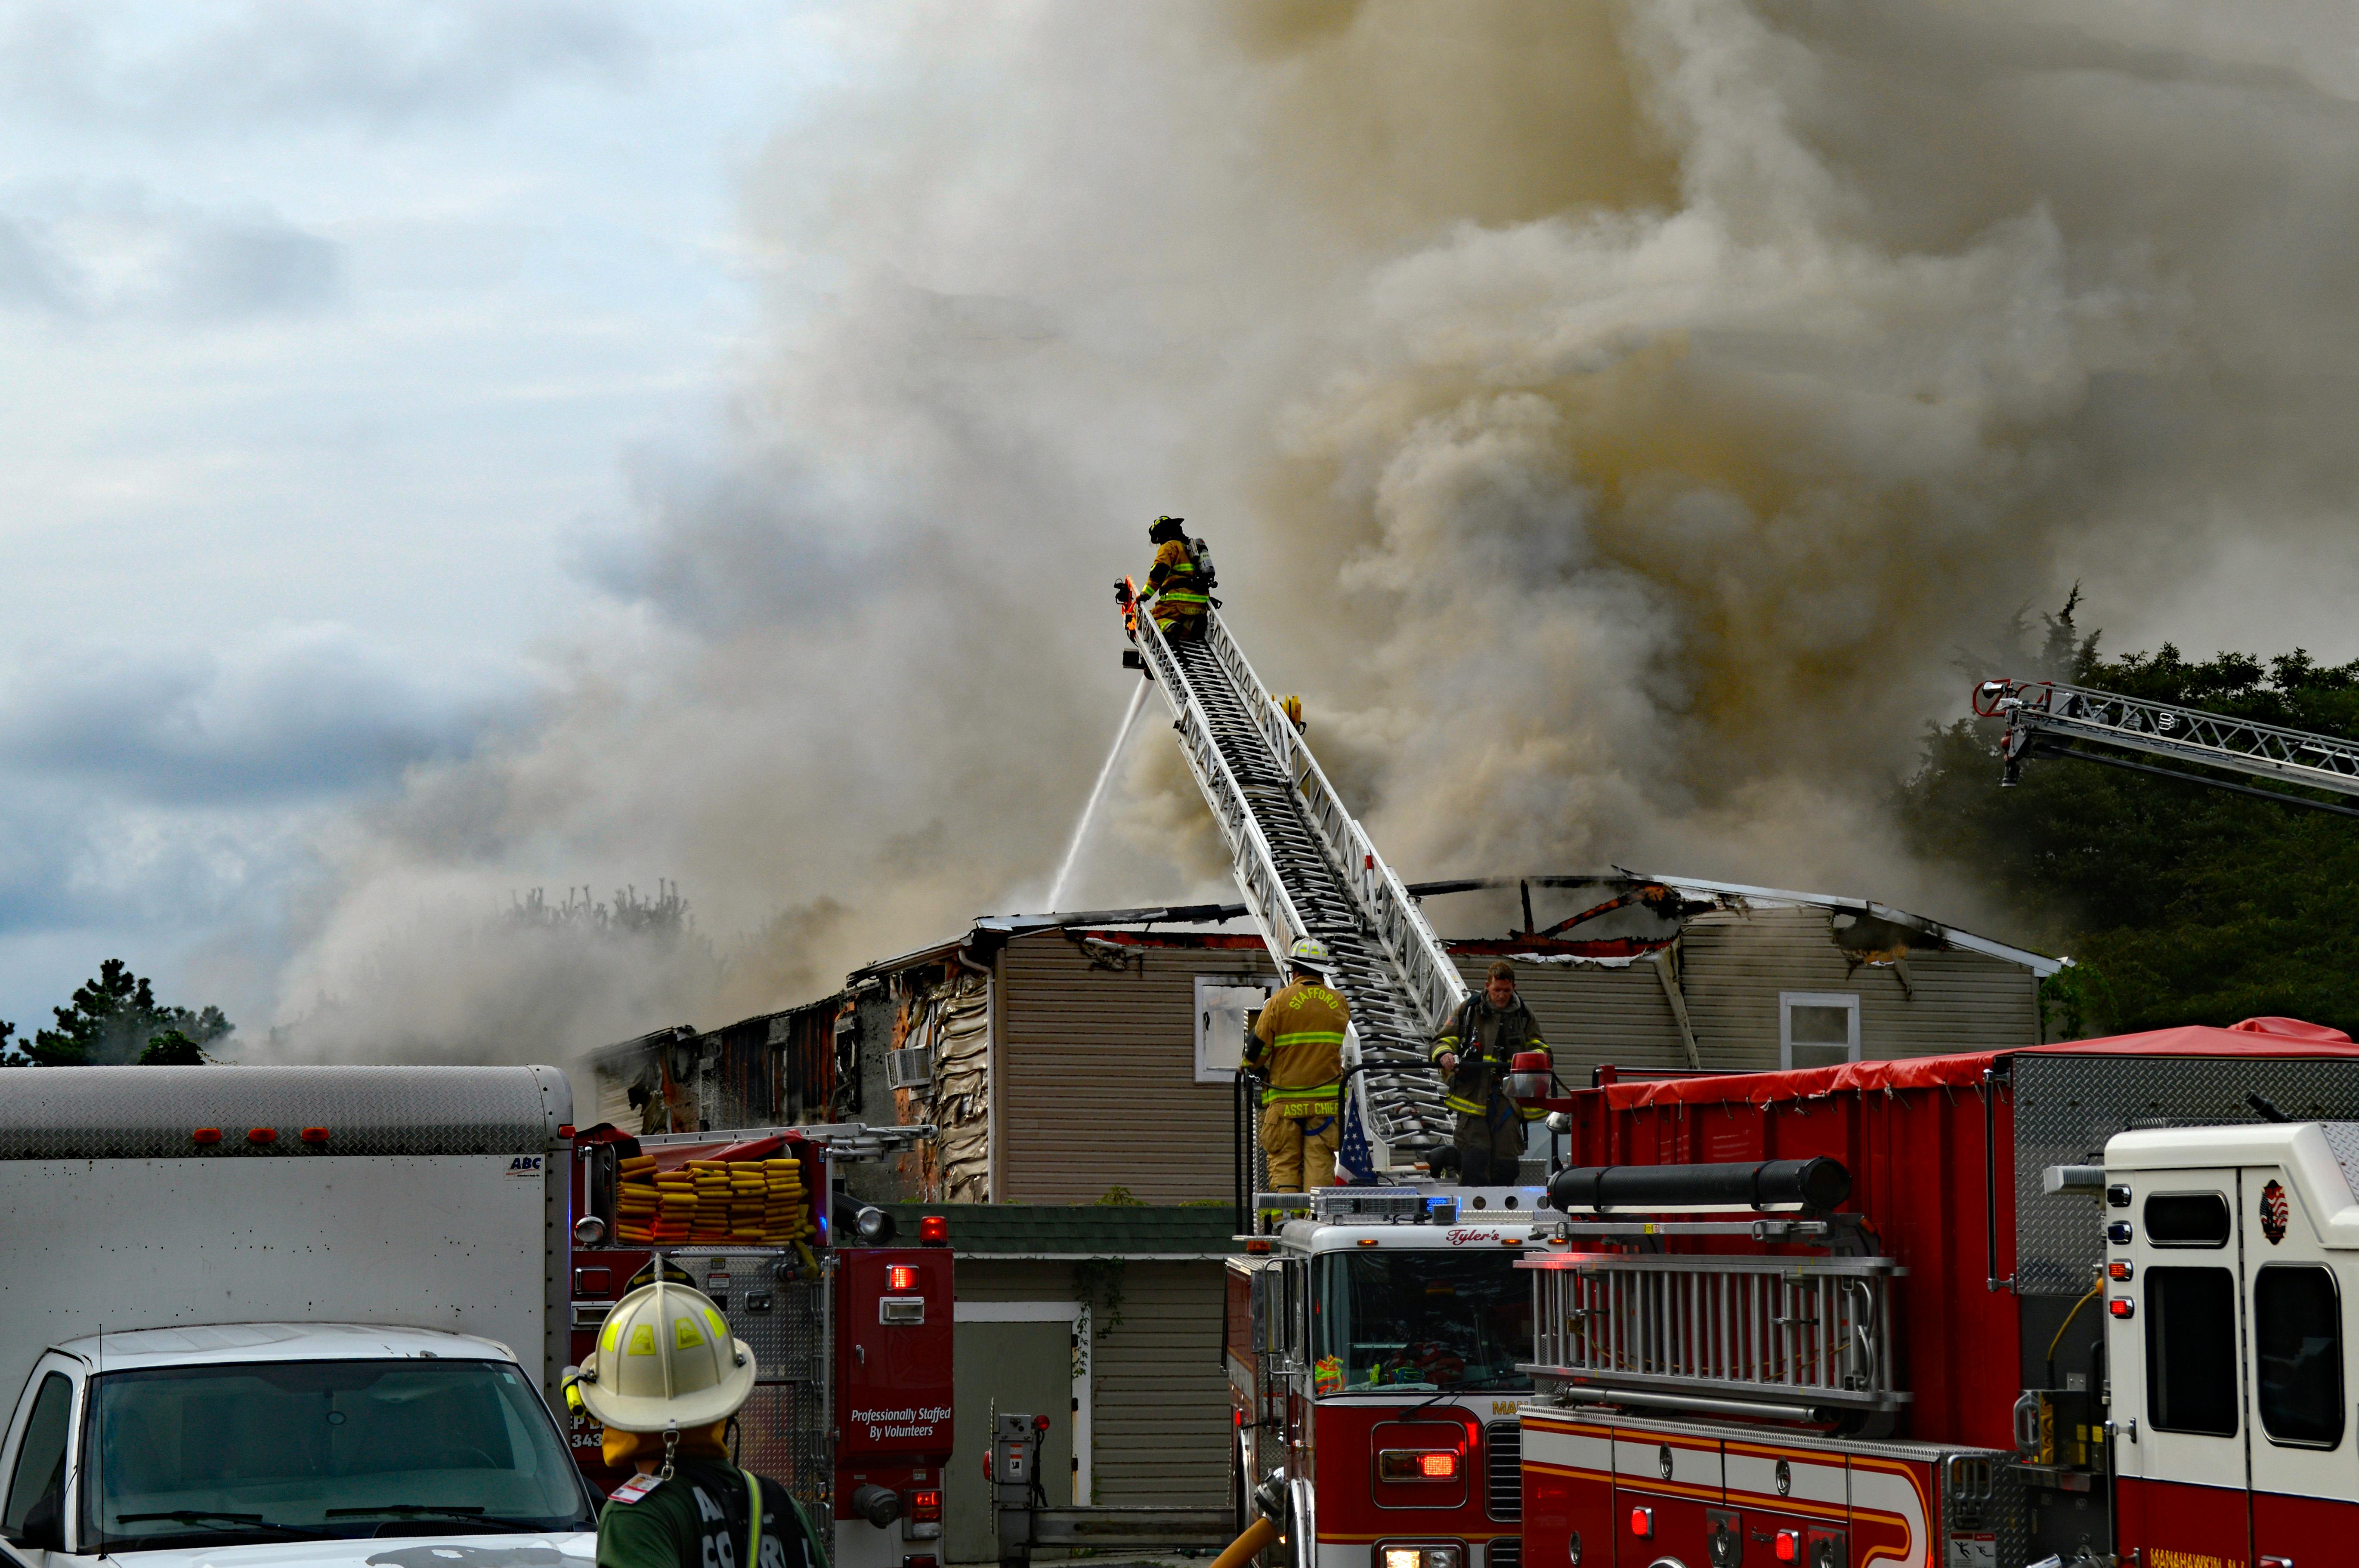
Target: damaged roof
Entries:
(1666, 902)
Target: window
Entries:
(2298, 1341)
(1422, 1320)
(319, 1449)
(2187, 1220)
(41, 1457)
(1817, 1028)
(2191, 1350)
(1223, 1005)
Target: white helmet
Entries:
(666, 1359)
(1309, 953)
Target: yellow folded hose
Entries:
(1248, 1546)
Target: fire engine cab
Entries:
(1375, 1345)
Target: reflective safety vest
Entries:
(1171, 583)
(1487, 1040)
(1301, 1032)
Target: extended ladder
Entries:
(2040, 713)
(1307, 869)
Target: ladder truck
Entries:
(1374, 1331)
(2078, 1305)
(2044, 717)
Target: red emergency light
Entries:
(1642, 1522)
(900, 1276)
(1787, 1547)
(926, 1508)
(1415, 1465)
(314, 1135)
(262, 1135)
(2118, 1271)
(2121, 1306)
(205, 1137)
(934, 1229)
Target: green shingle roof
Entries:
(1079, 1230)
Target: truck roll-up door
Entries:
(2174, 1297)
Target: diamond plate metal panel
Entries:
(2343, 1143)
(146, 1113)
(785, 1430)
(2067, 1107)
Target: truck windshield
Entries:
(1420, 1320)
(188, 1455)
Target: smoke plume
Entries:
(1610, 419)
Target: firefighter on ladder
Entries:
(1475, 1051)
(1298, 1044)
(1175, 591)
(666, 1381)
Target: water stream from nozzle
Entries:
(1097, 793)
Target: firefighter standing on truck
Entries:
(666, 1379)
(1475, 1050)
(1176, 590)
(1298, 1042)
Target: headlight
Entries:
(1450, 1557)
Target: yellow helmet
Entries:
(666, 1359)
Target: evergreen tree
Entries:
(2178, 904)
(115, 1020)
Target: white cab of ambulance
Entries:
(282, 1315)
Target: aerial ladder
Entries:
(2045, 718)
(1308, 869)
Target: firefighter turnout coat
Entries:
(1300, 1039)
(1171, 583)
(1486, 1040)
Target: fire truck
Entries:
(2076, 1304)
(2070, 1306)
(851, 1333)
(1376, 1342)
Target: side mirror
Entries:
(45, 1529)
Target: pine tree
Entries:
(115, 1020)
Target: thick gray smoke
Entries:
(1611, 421)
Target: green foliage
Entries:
(115, 1020)
(2179, 903)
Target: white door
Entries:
(2297, 1310)
(2174, 1347)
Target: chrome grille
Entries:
(1502, 1461)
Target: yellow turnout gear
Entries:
(1300, 1031)
(1171, 586)
(1486, 1040)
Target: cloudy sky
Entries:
(469, 446)
(335, 335)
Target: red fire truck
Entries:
(2080, 1305)
(1376, 1346)
(851, 1333)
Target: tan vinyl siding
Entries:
(1590, 1013)
(1737, 964)
(1096, 1075)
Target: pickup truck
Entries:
(272, 1315)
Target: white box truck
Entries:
(286, 1315)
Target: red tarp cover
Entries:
(2252, 1037)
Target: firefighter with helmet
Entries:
(1177, 591)
(666, 1382)
(1477, 1047)
(1297, 1044)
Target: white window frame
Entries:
(1216, 1063)
(1788, 1000)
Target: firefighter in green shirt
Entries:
(665, 1380)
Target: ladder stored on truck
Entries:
(2042, 715)
(1307, 869)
